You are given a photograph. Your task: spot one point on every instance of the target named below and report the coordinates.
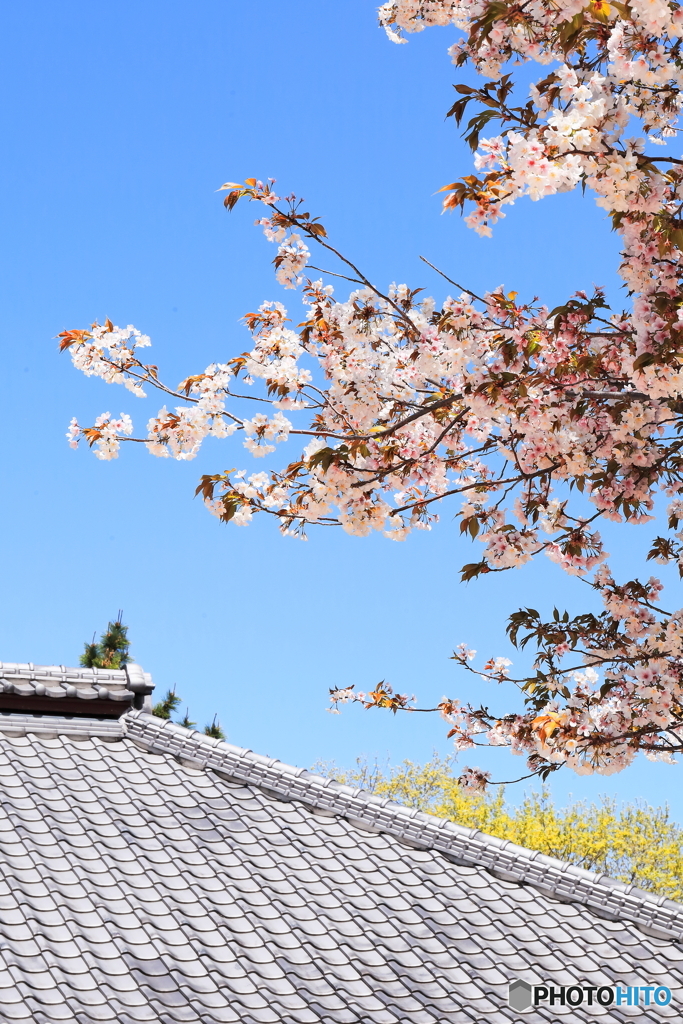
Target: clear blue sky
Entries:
(119, 122)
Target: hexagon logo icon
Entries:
(519, 995)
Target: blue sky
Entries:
(120, 122)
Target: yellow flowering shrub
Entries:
(632, 842)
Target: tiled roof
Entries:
(90, 691)
(149, 873)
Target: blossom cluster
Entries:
(626, 697)
(108, 352)
(105, 436)
(401, 401)
(613, 65)
(487, 400)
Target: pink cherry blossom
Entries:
(399, 402)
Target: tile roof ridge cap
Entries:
(24, 668)
(312, 778)
(523, 859)
(201, 739)
(55, 725)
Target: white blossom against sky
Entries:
(119, 123)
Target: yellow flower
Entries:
(600, 8)
(632, 842)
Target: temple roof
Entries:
(151, 873)
(56, 689)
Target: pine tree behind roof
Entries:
(112, 650)
(214, 729)
(166, 707)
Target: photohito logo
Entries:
(522, 995)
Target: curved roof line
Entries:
(61, 682)
(657, 915)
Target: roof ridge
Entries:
(28, 670)
(26, 688)
(566, 882)
(51, 726)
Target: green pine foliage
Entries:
(166, 707)
(112, 650)
(214, 730)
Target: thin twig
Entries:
(332, 274)
(511, 782)
(302, 226)
(483, 484)
(450, 281)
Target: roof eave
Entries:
(655, 914)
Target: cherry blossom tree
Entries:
(541, 422)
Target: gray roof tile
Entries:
(57, 683)
(150, 874)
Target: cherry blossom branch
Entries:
(450, 281)
(331, 273)
(513, 406)
(481, 485)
